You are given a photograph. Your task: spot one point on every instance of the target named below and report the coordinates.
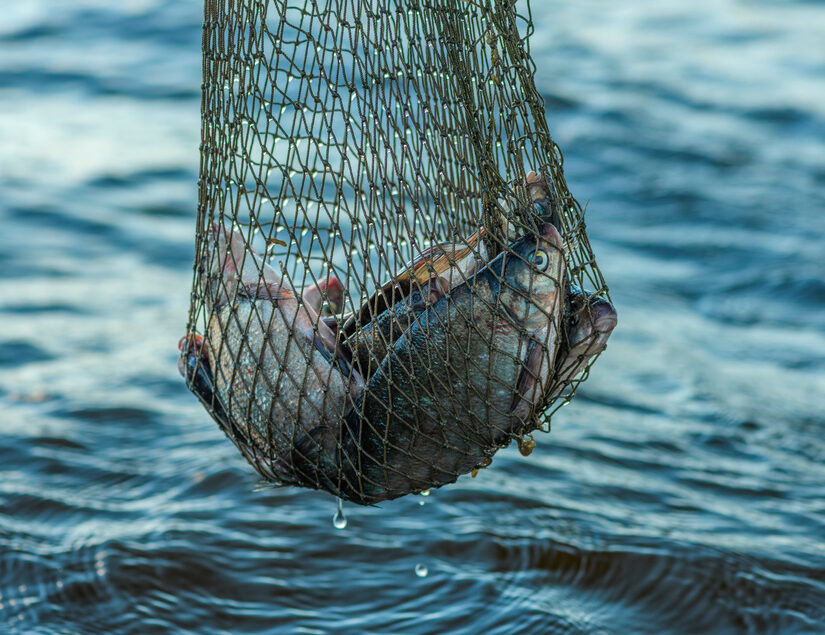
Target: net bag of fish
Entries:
(392, 280)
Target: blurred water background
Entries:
(683, 489)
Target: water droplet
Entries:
(421, 570)
(339, 521)
(425, 492)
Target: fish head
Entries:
(531, 278)
(229, 262)
(541, 195)
(589, 321)
(221, 265)
(326, 296)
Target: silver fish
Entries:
(590, 321)
(276, 370)
(326, 296)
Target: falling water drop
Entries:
(339, 520)
(421, 570)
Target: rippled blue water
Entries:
(682, 490)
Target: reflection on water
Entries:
(682, 488)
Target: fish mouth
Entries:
(550, 233)
(603, 315)
(603, 319)
(598, 319)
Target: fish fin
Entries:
(532, 381)
(383, 299)
(311, 465)
(331, 321)
(265, 291)
(340, 357)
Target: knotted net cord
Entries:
(344, 139)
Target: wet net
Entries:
(392, 280)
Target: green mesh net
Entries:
(392, 280)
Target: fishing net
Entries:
(392, 280)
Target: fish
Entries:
(275, 368)
(384, 317)
(446, 396)
(326, 296)
(194, 364)
(441, 367)
(540, 193)
(589, 322)
(392, 308)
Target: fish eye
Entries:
(540, 259)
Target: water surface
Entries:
(681, 491)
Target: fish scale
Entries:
(414, 438)
(253, 342)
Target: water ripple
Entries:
(681, 491)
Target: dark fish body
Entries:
(371, 343)
(443, 400)
(391, 310)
